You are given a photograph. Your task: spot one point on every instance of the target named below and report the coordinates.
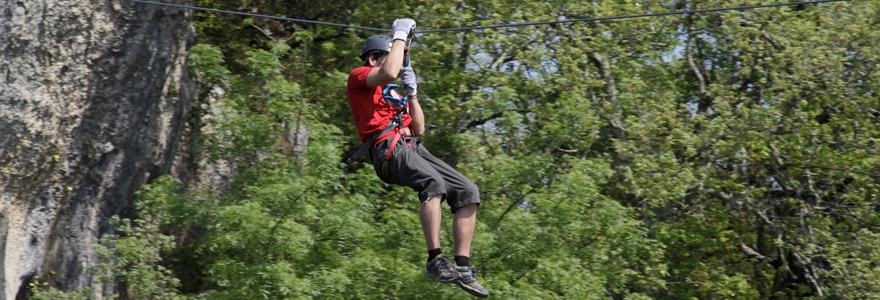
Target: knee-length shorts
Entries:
(416, 168)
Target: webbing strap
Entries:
(395, 121)
(397, 136)
(393, 143)
(369, 143)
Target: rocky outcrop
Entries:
(93, 101)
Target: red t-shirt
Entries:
(371, 112)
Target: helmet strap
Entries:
(375, 54)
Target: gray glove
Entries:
(402, 28)
(408, 79)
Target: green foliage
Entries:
(54, 294)
(710, 156)
(135, 259)
(207, 61)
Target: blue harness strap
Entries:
(397, 103)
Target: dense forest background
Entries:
(728, 155)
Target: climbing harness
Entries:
(397, 102)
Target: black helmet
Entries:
(376, 42)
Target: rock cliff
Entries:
(94, 97)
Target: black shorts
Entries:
(416, 168)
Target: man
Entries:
(390, 128)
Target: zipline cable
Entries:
(220, 11)
(696, 11)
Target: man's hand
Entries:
(402, 29)
(408, 78)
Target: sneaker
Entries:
(468, 282)
(442, 270)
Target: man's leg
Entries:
(438, 266)
(407, 168)
(463, 233)
(463, 197)
(429, 215)
(463, 229)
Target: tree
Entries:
(698, 156)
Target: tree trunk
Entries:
(93, 101)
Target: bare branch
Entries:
(754, 254)
(841, 169)
(482, 68)
(264, 32)
(478, 122)
(499, 60)
(690, 59)
(810, 272)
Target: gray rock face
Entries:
(93, 101)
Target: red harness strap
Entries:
(397, 135)
(393, 96)
(393, 143)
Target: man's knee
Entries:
(430, 187)
(472, 206)
(435, 198)
(466, 195)
(470, 192)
